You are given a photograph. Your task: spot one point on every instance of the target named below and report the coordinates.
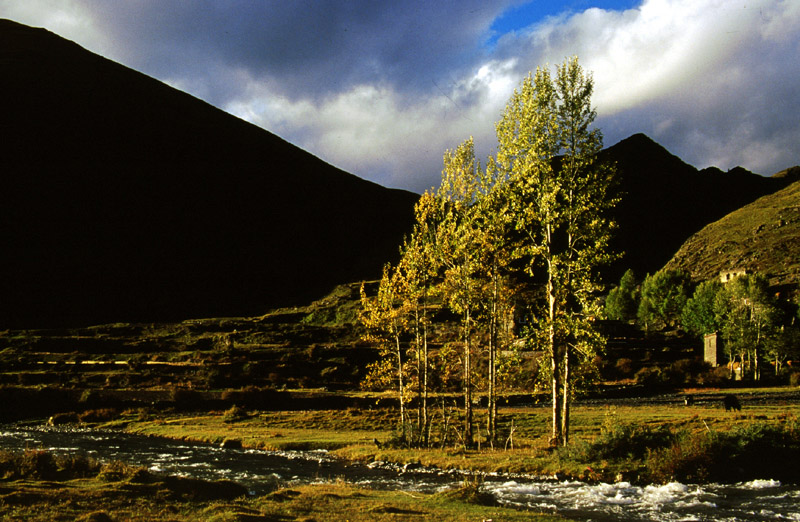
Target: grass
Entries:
(351, 434)
(119, 492)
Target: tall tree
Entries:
(496, 256)
(560, 196)
(748, 314)
(421, 268)
(384, 318)
(458, 247)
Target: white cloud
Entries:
(382, 90)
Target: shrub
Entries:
(794, 379)
(649, 376)
(689, 459)
(624, 367)
(43, 465)
(101, 415)
(471, 491)
(714, 377)
(234, 414)
(624, 441)
(757, 450)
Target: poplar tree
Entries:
(559, 198)
(420, 266)
(458, 240)
(384, 318)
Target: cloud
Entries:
(381, 89)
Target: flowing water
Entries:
(261, 471)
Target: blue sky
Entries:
(526, 14)
(382, 89)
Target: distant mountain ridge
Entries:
(665, 201)
(763, 237)
(125, 199)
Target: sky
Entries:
(382, 88)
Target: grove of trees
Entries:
(508, 250)
(753, 323)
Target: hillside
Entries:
(665, 201)
(763, 236)
(127, 200)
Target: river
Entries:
(261, 471)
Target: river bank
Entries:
(200, 482)
(610, 442)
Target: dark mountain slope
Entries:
(666, 200)
(763, 236)
(125, 199)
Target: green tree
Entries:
(623, 300)
(496, 249)
(420, 265)
(698, 315)
(458, 249)
(559, 196)
(748, 315)
(783, 345)
(664, 295)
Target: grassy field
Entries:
(115, 492)
(363, 434)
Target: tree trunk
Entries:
(491, 413)
(565, 407)
(425, 422)
(556, 438)
(468, 437)
(400, 388)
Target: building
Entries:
(727, 275)
(713, 353)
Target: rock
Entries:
(231, 444)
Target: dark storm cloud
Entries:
(302, 49)
(381, 89)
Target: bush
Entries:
(649, 376)
(624, 441)
(714, 377)
(624, 368)
(689, 459)
(43, 465)
(757, 450)
(794, 379)
(234, 414)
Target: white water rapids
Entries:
(261, 471)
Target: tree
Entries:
(698, 315)
(559, 196)
(748, 315)
(495, 251)
(783, 345)
(458, 246)
(623, 300)
(420, 265)
(384, 318)
(664, 295)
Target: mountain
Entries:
(763, 236)
(665, 201)
(124, 199)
